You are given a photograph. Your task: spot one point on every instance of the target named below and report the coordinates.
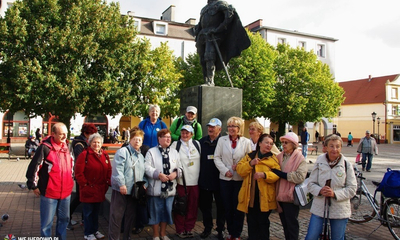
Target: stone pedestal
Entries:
(219, 102)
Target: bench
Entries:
(313, 148)
(111, 147)
(5, 148)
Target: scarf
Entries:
(165, 186)
(284, 188)
(234, 142)
(187, 122)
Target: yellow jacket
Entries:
(266, 186)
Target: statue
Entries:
(219, 32)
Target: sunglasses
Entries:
(285, 142)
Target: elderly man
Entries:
(209, 181)
(367, 146)
(188, 119)
(49, 175)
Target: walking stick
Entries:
(326, 233)
(220, 57)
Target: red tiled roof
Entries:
(366, 90)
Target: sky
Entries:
(368, 31)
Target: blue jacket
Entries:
(150, 131)
(122, 172)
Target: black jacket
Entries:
(209, 174)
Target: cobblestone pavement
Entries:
(23, 207)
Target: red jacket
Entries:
(51, 170)
(93, 173)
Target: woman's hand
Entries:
(123, 190)
(228, 174)
(163, 177)
(327, 192)
(172, 176)
(234, 167)
(259, 175)
(254, 162)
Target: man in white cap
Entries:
(367, 146)
(209, 181)
(188, 119)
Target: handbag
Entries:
(180, 202)
(358, 158)
(301, 195)
(139, 192)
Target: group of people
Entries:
(244, 176)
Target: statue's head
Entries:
(210, 1)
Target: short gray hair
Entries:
(333, 137)
(95, 136)
(151, 106)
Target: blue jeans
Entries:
(315, 228)
(304, 148)
(91, 217)
(48, 208)
(364, 159)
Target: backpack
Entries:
(390, 185)
(195, 143)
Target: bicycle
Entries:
(365, 207)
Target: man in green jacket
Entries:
(188, 119)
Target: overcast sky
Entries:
(368, 31)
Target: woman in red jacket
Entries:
(93, 173)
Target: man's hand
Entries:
(36, 192)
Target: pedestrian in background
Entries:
(350, 140)
(367, 146)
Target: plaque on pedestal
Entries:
(212, 101)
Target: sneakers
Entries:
(90, 237)
(99, 235)
(165, 238)
(189, 234)
(73, 223)
(70, 227)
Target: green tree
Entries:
(252, 71)
(67, 57)
(304, 90)
(158, 80)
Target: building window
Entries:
(281, 40)
(395, 110)
(17, 124)
(321, 52)
(160, 28)
(302, 44)
(394, 93)
(137, 23)
(396, 133)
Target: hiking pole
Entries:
(324, 235)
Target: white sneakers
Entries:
(90, 237)
(97, 235)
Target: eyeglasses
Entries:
(285, 142)
(233, 126)
(166, 137)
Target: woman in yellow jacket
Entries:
(257, 195)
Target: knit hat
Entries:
(292, 137)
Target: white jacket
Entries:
(153, 166)
(225, 156)
(190, 161)
(343, 183)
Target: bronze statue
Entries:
(219, 32)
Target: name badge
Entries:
(191, 163)
(210, 157)
(339, 174)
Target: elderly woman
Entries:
(151, 125)
(127, 168)
(162, 168)
(189, 153)
(332, 182)
(255, 131)
(294, 171)
(93, 173)
(257, 195)
(229, 151)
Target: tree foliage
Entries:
(67, 57)
(304, 91)
(158, 80)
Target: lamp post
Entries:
(373, 122)
(379, 137)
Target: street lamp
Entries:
(379, 137)
(373, 122)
